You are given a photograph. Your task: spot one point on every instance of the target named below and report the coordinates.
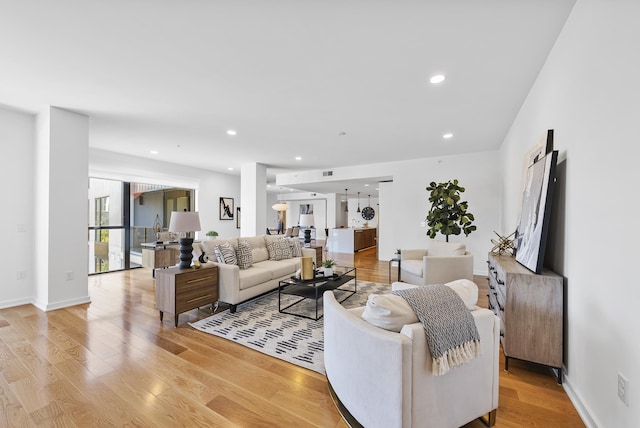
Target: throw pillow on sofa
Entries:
(278, 249)
(244, 255)
(296, 249)
(218, 254)
(228, 254)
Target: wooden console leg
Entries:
(232, 308)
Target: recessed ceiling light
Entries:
(438, 78)
(298, 157)
(447, 135)
(153, 152)
(366, 185)
(231, 132)
(230, 168)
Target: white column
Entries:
(61, 182)
(253, 199)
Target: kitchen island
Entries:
(351, 239)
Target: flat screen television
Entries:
(533, 227)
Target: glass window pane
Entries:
(105, 202)
(106, 250)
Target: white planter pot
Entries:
(328, 271)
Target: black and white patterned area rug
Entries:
(258, 325)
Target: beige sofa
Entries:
(238, 285)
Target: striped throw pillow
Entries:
(228, 254)
(243, 254)
(218, 254)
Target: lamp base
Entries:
(186, 253)
(307, 238)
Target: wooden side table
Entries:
(318, 249)
(180, 290)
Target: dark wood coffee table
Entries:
(314, 288)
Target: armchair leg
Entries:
(490, 418)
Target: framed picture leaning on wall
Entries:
(226, 208)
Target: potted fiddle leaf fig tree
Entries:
(448, 214)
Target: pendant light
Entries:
(358, 210)
(346, 201)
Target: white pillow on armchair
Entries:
(467, 290)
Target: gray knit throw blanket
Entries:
(451, 331)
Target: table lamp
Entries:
(183, 222)
(306, 221)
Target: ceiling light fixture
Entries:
(231, 132)
(153, 152)
(358, 210)
(438, 78)
(230, 168)
(447, 136)
(298, 157)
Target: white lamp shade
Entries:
(280, 206)
(306, 220)
(184, 221)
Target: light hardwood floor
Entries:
(113, 363)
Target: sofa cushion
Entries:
(388, 311)
(278, 249)
(253, 276)
(445, 249)
(414, 267)
(258, 248)
(243, 254)
(228, 253)
(278, 268)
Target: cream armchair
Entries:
(382, 378)
(442, 262)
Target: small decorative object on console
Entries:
(504, 245)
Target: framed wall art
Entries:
(533, 227)
(226, 208)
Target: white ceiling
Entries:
(288, 76)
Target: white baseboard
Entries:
(62, 304)
(16, 302)
(581, 408)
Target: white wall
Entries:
(17, 139)
(588, 92)
(400, 223)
